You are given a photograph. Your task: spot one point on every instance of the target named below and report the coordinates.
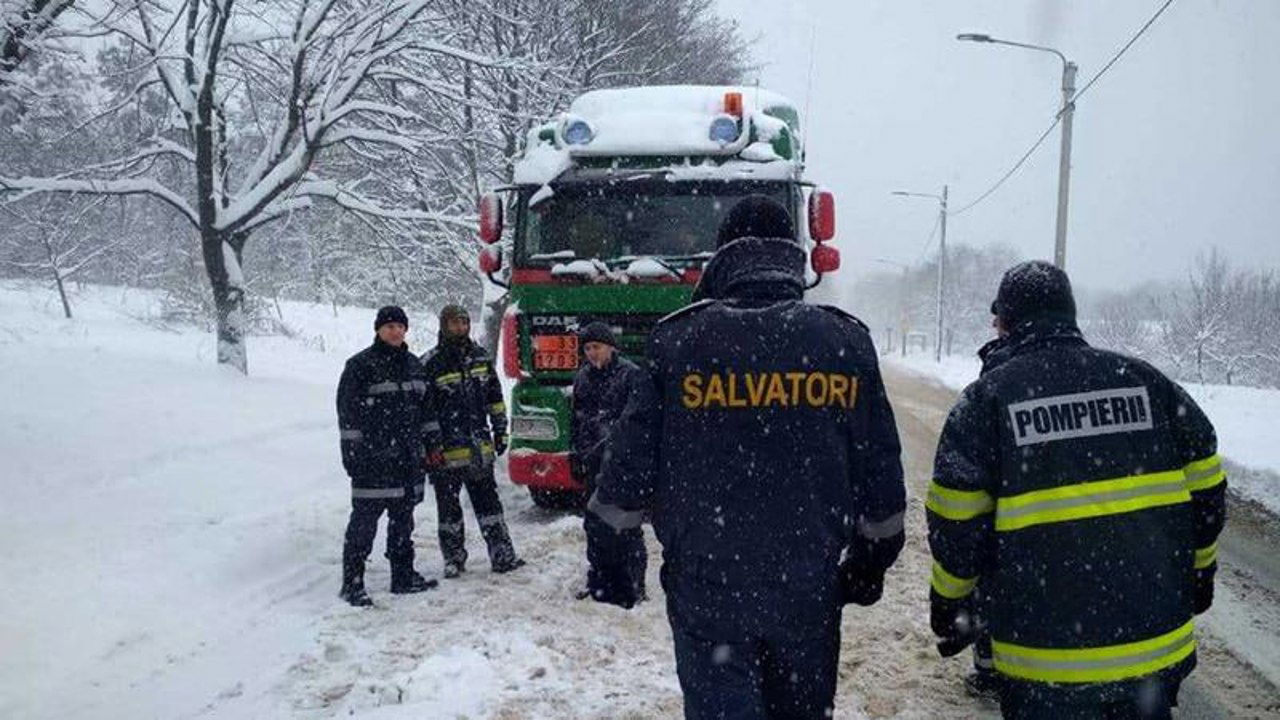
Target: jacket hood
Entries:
(1028, 336)
(761, 268)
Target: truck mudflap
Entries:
(543, 470)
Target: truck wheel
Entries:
(559, 499)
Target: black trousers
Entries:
(753, 656)
(362, 528)
(482, 488)
(1020, 701)
(616, 559)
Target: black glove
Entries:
(953, 622)
(860, 585)
(1204, 589)
(500, 442)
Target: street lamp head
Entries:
(899, 192)
(974, 37)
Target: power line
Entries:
(1025, 156)
(1122, 51)
(1058, 117)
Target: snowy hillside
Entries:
(173, 533)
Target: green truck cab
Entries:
(613, 213)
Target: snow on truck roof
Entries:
(669, 121)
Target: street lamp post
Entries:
(942, 259)
(1067, 114)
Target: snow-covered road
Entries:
(172, 535)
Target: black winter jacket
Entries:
(380, 399)
(464, 401)
(765, 443)
(1084, 490)
(599, 396)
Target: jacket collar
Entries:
(754, 268)
(1029, 336)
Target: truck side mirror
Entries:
(490, 260)
(491, 219)
(824, 259)
(822, 215)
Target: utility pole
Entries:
(942, 259)
(942, 272)
(1066, 115)
(1064, 163)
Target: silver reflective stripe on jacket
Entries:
(881, 529)
(376, 493)
(383, 388)
(352, 434)
(614, 516)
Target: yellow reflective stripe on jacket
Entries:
(1091, 499)
(497, 408)
(1204, 474)
(1108, 663)
(1206, 556)
(948, 585)
(449, 378)
(457, 454)
(958, 504)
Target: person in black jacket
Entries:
(1083, 491)
(617, 560)
(468, 429)
(381, 422)
(766, 447)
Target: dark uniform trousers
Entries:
(614, 558)
(362, 529)
(482, 488)
(783, 666)
(1019, 702)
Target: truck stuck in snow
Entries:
(613, 213)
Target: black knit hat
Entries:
(755, 216)
(597, 332)
(390, 314)
(1031, 290)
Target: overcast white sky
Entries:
(1176, 148)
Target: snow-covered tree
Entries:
(255, 95)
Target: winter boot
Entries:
(409, 581)
(353, 592)
(508, 564)
(353, 581)
(983, 685)
(454, 569)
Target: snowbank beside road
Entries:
(172, 534)
(1246, 420)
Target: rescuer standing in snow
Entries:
(468, 429)
(767, 449)
(381, 418)
(617, 559)
(1082, 489)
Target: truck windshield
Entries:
(631, 218)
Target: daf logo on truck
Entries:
(615, 206)
(568, 322)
